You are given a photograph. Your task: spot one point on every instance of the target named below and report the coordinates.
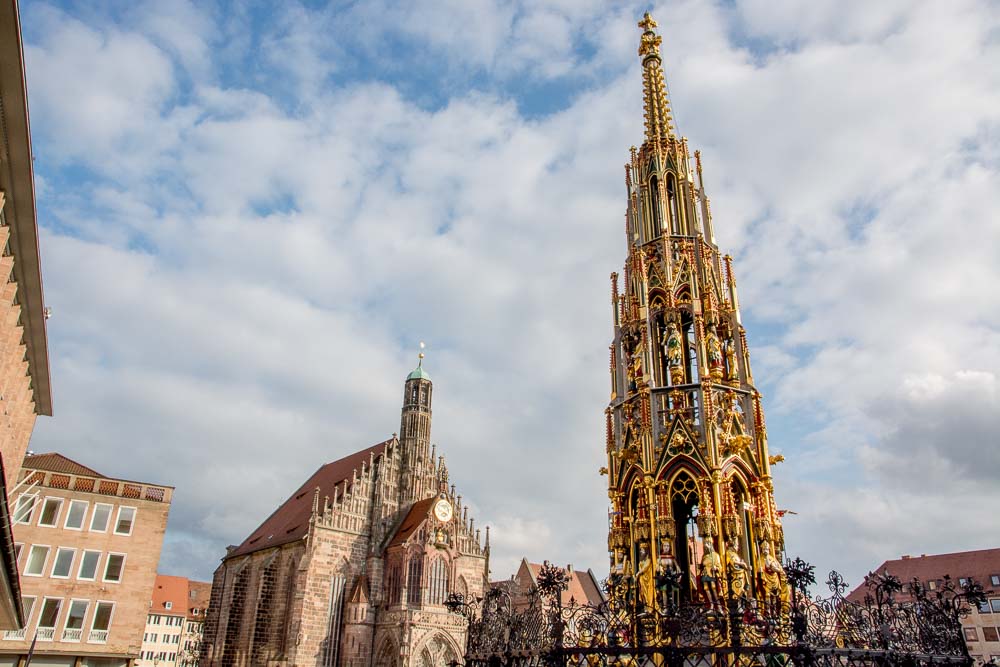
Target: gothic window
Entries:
(660, 373)
(437, 653)
(690, 348)
(414, 579)
(262, 615)
(438, 582)
(462, 588)
(655, 212)
(395, 584)
(675, 220)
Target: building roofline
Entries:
(18, 179)
(27, 466)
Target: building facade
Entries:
(88, 547)
(199, 593)
(689, 474)
(24, 364)
(982, 627)
(354, 568)
(171, 638)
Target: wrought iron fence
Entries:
(891, 626)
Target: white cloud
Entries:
(240, 290)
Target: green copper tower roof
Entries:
(419, 373)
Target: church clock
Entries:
(443, 511)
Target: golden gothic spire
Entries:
(659, 123)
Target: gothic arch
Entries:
(682, 465)
(439, 650)
(387, 654)
(735, 465)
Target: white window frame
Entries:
(83, 621)
(27, 562)
(55, 624)
(93, 515)
(93, 618)
(107, 561)
(168, 605)
(97, 568)
(22, 500)
(27, 617)
(69, 508)
(118, 517)
(55, 560)
(19, 550)
(55, 519)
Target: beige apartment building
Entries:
(981, 627)
(24, 363)
(174, 625)
(87, 546)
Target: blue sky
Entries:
(251, 217)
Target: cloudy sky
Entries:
(250, 218)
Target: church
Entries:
(354, 568)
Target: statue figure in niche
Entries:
(711, 570)
(772, 575)
(732, 373)
(644, 580)
(738, 569)
(714, 349)
(675, 354)
(668, 576)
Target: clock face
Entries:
(442, 510)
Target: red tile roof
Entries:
(290, 521)
(198, 594)
(172, 590)
(413, 519)
(980, 565)
(583, 585)
(55, 462)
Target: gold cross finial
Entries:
(659, 123)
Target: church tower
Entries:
(416, 471)
(689, 476)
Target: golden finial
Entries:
(420, 356)
(659, 124)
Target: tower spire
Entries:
(659, 121)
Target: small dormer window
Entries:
(168, 605)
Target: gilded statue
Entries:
(738, 569)
(730, 352)
(711, 571)
(675, 352)
(772, 575)
(714, 349)
(644, 580)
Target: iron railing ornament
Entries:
(892, 625)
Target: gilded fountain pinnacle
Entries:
(692, 504)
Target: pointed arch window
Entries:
(395, 584)
(655, 209)
(414, 580)
(437, 588)
(675, 221)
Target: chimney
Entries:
(906, 557)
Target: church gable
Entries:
(411, 525)
(290, 522)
